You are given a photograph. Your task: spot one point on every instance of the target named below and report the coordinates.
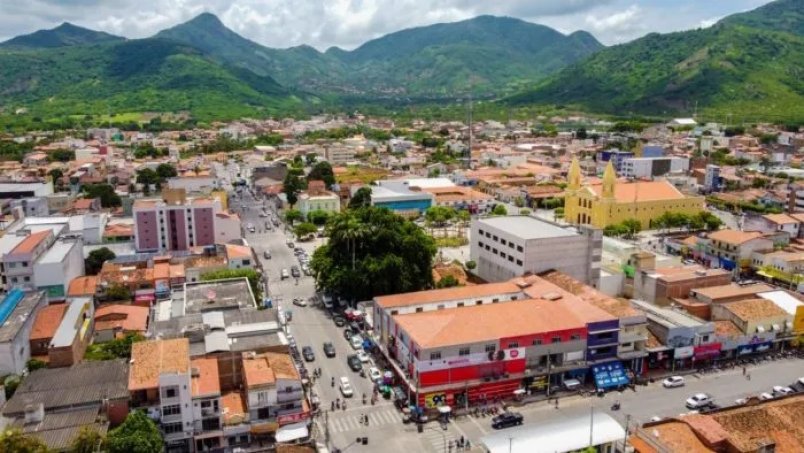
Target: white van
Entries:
(572, 384)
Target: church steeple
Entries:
(574, 175)
(609, 180)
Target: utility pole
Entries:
(510, 443)
(549, 365)
(591, 426)
(468, 158)
(625, 439)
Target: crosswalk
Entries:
(351, 422)
(436, 437)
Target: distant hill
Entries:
(749, 65)
(136, 76)
(64, 35)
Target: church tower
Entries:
(605, 206)
(609, 180)
(571, 193)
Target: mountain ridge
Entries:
(64, 35)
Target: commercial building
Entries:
(731, 249)
(510, 246)
(317, 198)
(398, 197)
(615, 157)
(19, 252)
(598, 432)
(19, 190)
(54, 405)
(662, 285)
(755, 316)
(612, 202)
(175, 222)
(651, 167)
(17, 314)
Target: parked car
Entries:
(346, 387)
(266, 254)
(299, 301)
(295, 271)
(354, 362)
(348, 333)
(779, 390)
(374, 374)
(328, 302)
(339, 321)
(285, 274)
(308, 354)
(765, 396)
(329, 349)
(356, 342)
(698, 401)
(673, 381)
(363, 356)
(506, 419)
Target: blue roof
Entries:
(9, 303)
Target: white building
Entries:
(648, 167)
(509, 246)
(54, 271)
(194, 184)
(227, 227)
(339, 155)
(17, 314)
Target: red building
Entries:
(175, 222)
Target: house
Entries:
(732, 248)
(116, 320)
(662, 285)
(317, 198)
(85, 286)
(44, 328)
(55, 404)
(239, 256)
(86, 205)
(17, 314)
(74, 334)
(754, 316)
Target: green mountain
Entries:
(64, 35)
(135, 76)
(482, 54)
(748, 65)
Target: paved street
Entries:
(312, 326)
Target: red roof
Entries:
(47, 321)
(31, 242)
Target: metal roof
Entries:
(70, 324)
(527, 227)
(216, 341)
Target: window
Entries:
(510, 258)
(419, 309)
(435, 355)
(262, 397)
(519, 248)
(495, 238)
(503, 242)
(511, 244)
(556, 339)
(13, 279)
(491, 347)
(494, 301)
(12, 265)
(263, 413)
(536, 342)
(502, 255)
(460, 304)
(27, 279)
(24, 264)
(246, 262)
(478, 302)
(440, 307)
(514, 297)
(494, 251)
(575, 336)
(463, 351)
(394, 312)
(172, 410)
(518, 262)
(513, 344)
(480, 232)
(170, 428)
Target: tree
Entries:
(293, 184)
(147, 178)
(35, 364)
(470, 265)
(106, 193)
(372, 252)
(322, 171)
(318, 217)
(303, 229)
(96, 258)
(117, 291)
(439, 215)
(632, 226)
(361, 198)
(292, 215)
(88, 440)
(119, 348)
(56, 175)
(519, 202)
(524, 211)
(499, 209)
(137, 434)
(165, 171)
(448, 281)
(62, 155)
(254, 278)
(581, 133)
(13, 440)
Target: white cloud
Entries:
(706, 23)
(623, 20)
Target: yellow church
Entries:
(612, 201)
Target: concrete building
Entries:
(612, 202)
(194, 184)
(57, 267)
(662, 285)
(19, 190)
(69, 343)
(712, 178)
(399, 198)
(730, 249)
(17, 314)
(19, 252)
(227, 227)
(32, 206)
(650, 167)
(317, 198)
(755, 316)
(508, 247)
(339, 155)
(175, 222)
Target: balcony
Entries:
(209, 412)
(293, 395)
(632, 336)
(172, 418)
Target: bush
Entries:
(35, 364)
(470, 265)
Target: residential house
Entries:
(47, 321)
(74, 334)
(317, 198)
(731, 249)
(754, 316)
(17, 315)
(115, 320)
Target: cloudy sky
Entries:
(349, 23)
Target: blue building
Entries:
(652, 151)
(615, 155)
(400, 199)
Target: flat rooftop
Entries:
(24, 309)
(667, 316)
(527, 227)
(71, 324)
(217, 295)
(447, 294)
(58, 252)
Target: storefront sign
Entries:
(434, 400)
(684, 352)
(293, 418)
(539, 383)
(707, 351)
(754, 348)
(476, 358)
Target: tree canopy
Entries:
(293, 184)
(94, 262)
(14, 440)
(318, 217)
(292, 215)
(499, 209)
(361, 198)
(303, 229)
(322, 171)
(372, 252)
(106, 193)
(137, 434)
(88, 440)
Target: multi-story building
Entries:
(732, 249)
(273, 389)
(20, 252)
(508, 247)
(17, 314)
(662, 285)
(70, 341)
(175, 222)
(649, 167)
(712, 178)
(612, 202)
(615, 157)
(754, 316)
(339, 155)
(317, 198)
(57, 267)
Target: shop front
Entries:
(610, 375)
(706, 353)
(682, 357)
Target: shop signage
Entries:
(293, 418)
(707, 351)
(434, 400)
(684, 352)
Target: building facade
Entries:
(174, 223)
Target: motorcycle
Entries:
(615, 406)
(333, 382)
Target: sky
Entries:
(349, 23)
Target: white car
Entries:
(673, 381)
(779, 390)
(363, 356)
(656, 418)
(765, 396)
(374, 374)
(699, 400)
(356, 342)
(346, 387)
(741, 401)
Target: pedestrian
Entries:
(748, 376)
(556, 402)
(367, 420)
(744, 371)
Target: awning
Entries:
(292, 432)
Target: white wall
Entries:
(227, 229)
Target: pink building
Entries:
(175, 222)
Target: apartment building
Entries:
(510, 246)
(273, 390)
(19, 252)
(175, 222)
(650, 167)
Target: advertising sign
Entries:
(434, 400)
(684, 352)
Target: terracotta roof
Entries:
(83, 203)
(780, 219)
(447, 294)
(149, 359)
(489, 322)
(206, 381)
(642, 190)
(233, 408)
(177, 270)
(257, 371)
(47, 321)
(677, 436)
(755, 309)
(31, 242)
(118, 230)
(615, 307)
(777, 420)
(83, 286)
(732, 290)
(681, 273)
(128, 318)
(726, 329)
(238, 251)
(735, 237)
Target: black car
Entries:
(294, 271)
(348, 333)
(354, 362)
(506, 419)
(339, 321)
(329, 349)
(307, 353)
